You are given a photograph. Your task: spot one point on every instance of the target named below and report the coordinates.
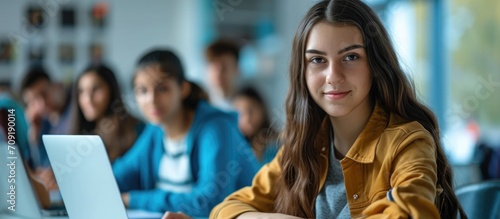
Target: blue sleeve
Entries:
(127, 168)
(139, 128)
(218, 172)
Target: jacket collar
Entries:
(363, 149)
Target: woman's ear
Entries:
(185, 89)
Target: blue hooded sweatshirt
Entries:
(21, 126)
(221, 159)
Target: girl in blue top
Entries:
(191, 156)
(255, 125)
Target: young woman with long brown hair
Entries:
(357, 142)
(100, 110)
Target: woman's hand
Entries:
(126, 199)
(172, 215)
(46, 176)
(259, 215)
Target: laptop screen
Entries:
(84, 175)
(21, 199)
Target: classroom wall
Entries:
(276, 87)
(135, 26)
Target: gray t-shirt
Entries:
(332, 200)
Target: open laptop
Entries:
(19, 200)
(85, 178)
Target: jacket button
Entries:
(355, 196)
(323, 149)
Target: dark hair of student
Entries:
(34, 74)
(391, 89)
(169, 64)
(222, 47)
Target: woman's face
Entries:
(250, 115)
(159, 97)
(93, 96)
(338, 75)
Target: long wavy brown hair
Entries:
(391, 89)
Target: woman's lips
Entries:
(155, 112)
(336, 95)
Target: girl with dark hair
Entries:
(254, 124)
(101, 111)
(191, 156)
(357, 142)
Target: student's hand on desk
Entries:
(260, 215)
(40, 188)
(46, 176)
(172, 215)
(126, 199)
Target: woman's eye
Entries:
(161, 89)
(317, 60)
(350, 57)
(140, 90)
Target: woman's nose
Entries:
(334, 74)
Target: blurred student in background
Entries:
(101, 111)
(222, 72)
(48, 111)
(14, 132)
(254, 124)
(191, 156)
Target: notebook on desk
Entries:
(85, 178)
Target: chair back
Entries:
(480, 200)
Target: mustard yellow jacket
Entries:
(389, 172)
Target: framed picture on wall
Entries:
(96, 53)
(6, 52)
(99, 14)
(68, 17)
(36, 16)
(36, 52)
(66, 53)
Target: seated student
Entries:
(222, 72)
(191, 156)
(254, 124)
(100, 110)
(48, 111)
(357, 142)
(14, 131)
